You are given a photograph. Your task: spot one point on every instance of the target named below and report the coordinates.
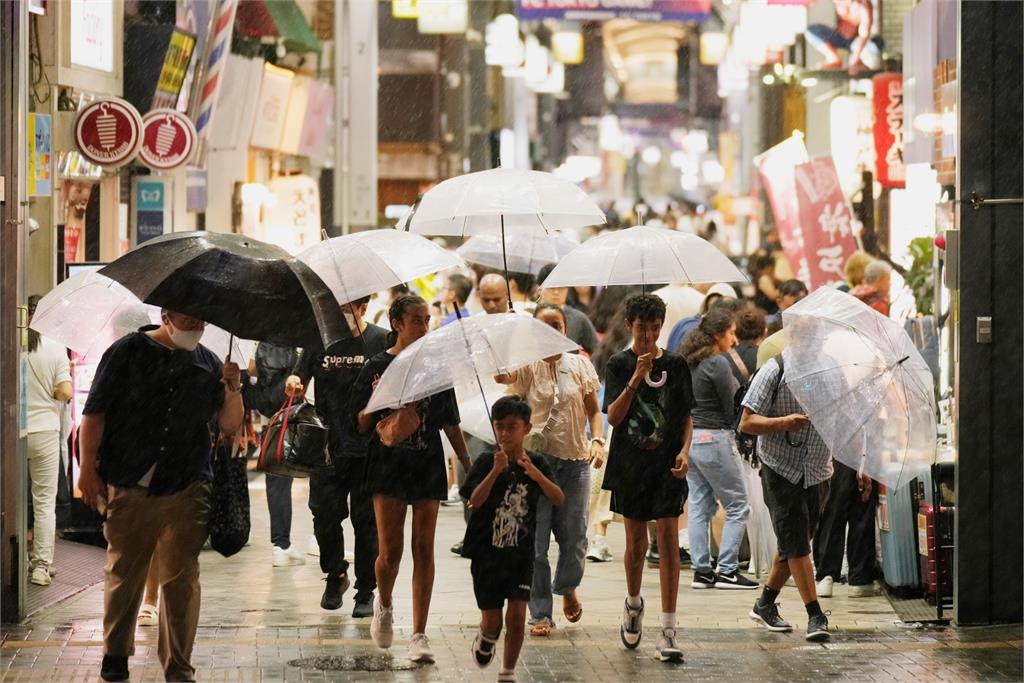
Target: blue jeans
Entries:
(569, 523)
(715, 475)
(279, 503)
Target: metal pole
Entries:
(341, 123)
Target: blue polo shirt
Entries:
(158, 405)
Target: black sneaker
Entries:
(817, 629)
(114, 668)
(483, 650)
(653, 556)
(457, 548)
(336, 586)
(684, 558)
(364, 605)
(768, 616)
(735, 581)
(703, 580)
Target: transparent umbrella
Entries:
(863, 384)
(356, 265)
(521, 253)
(643, 255)
(457, 355)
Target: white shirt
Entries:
(47, 367)
(681, 301)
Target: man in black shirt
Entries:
(145, 456)
(330, 489)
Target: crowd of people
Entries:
(639, 427)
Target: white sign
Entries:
(92, 34)
(293, 219)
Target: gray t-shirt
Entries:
(714, 392)
(580, 329)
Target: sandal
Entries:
(572, 608)
(541, 629)
(149, 615)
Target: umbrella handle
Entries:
(656, 383)
(231, 344)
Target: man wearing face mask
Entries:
(332, 488)
(145, 454)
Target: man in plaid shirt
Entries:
(795, 470)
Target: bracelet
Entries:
(630, 387)
(598, 439)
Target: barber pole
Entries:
(218, 45)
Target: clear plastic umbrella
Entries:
(356, 265)
(88, 312)
(643, 255)
(863, 384)
(457, 355)
(521, 253)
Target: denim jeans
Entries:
(279, 503)
(569, 523)
(715, 475)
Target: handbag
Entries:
(295, 442)
(229, 522)
(399, 425)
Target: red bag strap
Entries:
(284, 427)
(263, 447)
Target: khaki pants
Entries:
(136, 524)
(44, 472)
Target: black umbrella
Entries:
(252, 289)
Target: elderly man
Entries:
(146, 440)
(875, 289)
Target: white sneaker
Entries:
(313, 549)
(381, 627)
(598, 550)
(632, 624)
(665, 648)
(684, 538)
(824, 587)
(40, 575)
(292, 557)
(149, 615)
(865, 591)
(453, 496)
(419, 649)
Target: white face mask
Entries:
(350, 319)
(186, 340)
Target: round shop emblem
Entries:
(168, 139)
(108, 132)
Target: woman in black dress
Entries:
(411, 473)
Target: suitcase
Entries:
(898, 539)
(936, 552)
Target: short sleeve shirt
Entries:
(555, 392)
(48, 367)
(810, 461)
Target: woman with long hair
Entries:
(715, 473)
(562, 392)
(411, 473)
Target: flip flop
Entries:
(574, 615)
(541, 629)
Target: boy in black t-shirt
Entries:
(503, 490)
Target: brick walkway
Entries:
(256, 620)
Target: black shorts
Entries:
(794, 511)
(496, 580)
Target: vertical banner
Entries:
(826, 222)
(359, 104)
(776, 169)
(152, 207)
(888, 129)
(40, 156)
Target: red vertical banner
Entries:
(888, 128)
(826, 221)
(775, 168)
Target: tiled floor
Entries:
(257, 620)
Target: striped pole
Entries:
(218, 43)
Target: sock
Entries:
(813, 608)
(768, 596)
(668, 620)
(635, 601)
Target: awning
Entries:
(279, 19)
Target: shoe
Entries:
(824, 587)
(866, 591)
(483, 650)
(665, 649)
(335, 588)
(598, 550)
(364, 605)
(453, 497)
(114, 668)
(313, 549)
(632, 625)
(288, 558)
(40, 575)
(507, 677)
(684, 558)
(149, 615)
(817, 629)
(703, 579)
(735, 581)
(653, 557)
(768, 616)
(381, 628)
(419, 649)
(457, 549)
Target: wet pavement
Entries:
(260, 623)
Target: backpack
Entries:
(273, 365)
(746, 444)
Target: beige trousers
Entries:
(136, 524)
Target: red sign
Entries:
(888, 96)
(108, 132)
(168, 139)
(826, 222)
